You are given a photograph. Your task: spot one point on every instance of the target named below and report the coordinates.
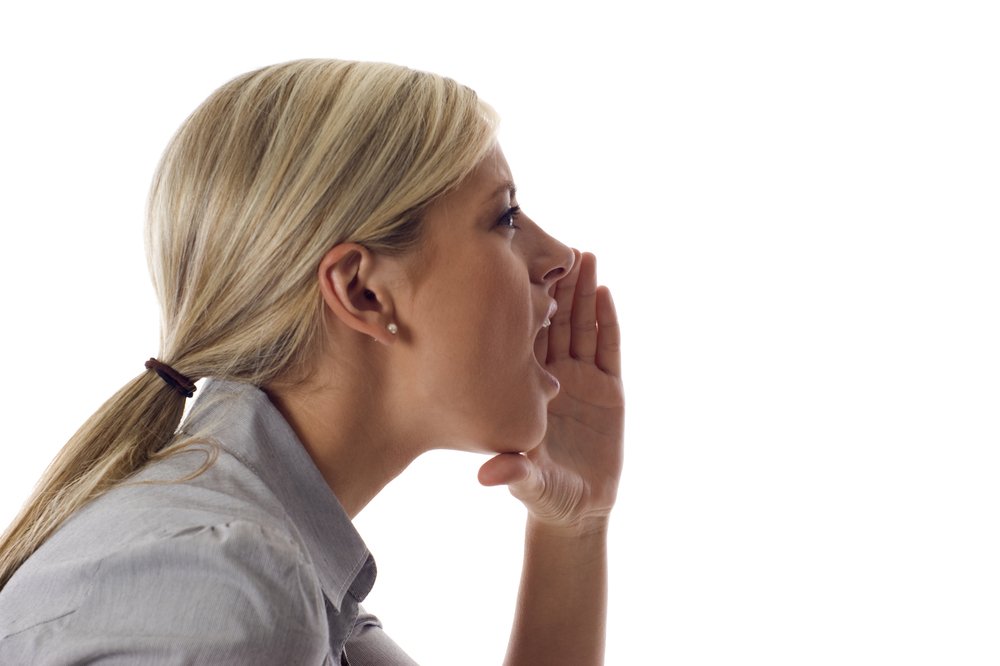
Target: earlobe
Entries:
(351, 289)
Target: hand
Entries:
(570, 480)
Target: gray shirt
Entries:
(252, 561)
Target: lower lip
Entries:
(552, 378)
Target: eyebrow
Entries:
(508, 186)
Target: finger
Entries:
(503, 469)
(609, 355)
(560, 332)
(583, 319)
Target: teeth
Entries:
(546, 323)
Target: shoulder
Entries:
(233, 591)
(196, 490)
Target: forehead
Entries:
(490, 178)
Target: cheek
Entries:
(480, 328)
(488, 324)
(498, 353)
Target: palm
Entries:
(572, 475)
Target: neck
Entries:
(348, 434)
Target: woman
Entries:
(338, 248)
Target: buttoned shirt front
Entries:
(232, 551)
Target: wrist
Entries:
(586, 527)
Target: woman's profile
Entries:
(338, 252)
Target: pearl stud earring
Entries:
(392, 328)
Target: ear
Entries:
(354, 290)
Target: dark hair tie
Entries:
(174, 379)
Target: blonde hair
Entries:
(271, 171)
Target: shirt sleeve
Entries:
(369, 645)
(227, 593)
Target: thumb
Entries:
(505, 468)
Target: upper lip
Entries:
(549, 313)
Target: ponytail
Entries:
(112, 445)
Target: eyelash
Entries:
(507, 219)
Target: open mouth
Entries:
(542, 345)
(542, 337)
(541, 352)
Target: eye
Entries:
(508, 219)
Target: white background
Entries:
(796, 206)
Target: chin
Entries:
(521, 432)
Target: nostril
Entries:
(558, 260)
(554, 274)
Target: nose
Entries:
(553, 260)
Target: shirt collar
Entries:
(245, 423)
